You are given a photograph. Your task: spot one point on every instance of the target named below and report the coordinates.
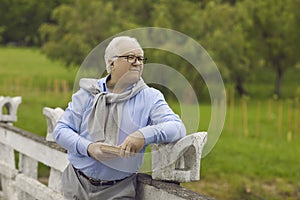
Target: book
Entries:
(107, 148)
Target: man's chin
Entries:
(133, 77)
(129, 79)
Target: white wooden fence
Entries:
(20, 182)
(21, 151)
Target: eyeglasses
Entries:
(132, 59)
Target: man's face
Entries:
(128, 68)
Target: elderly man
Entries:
(119, 110)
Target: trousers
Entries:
(76, 186)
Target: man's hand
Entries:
(95, 152)
(132, 144)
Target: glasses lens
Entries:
(131, 59)
(144, 60)
(140, 59)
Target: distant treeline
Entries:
(240, 35)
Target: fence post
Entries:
(279, 125)
(29, 167)
(257, 132)
(178, 161)
(52, 116)
(7, 155)
(55, 180)
(7, 168)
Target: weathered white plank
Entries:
(9, 190)
(36, 189)
(55, 180)
(28, 167)
(8, 171)
(1, 195)
(40, 152)
(7, 153)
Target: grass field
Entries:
(256, 156)
(40, 82)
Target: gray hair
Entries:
(119, 46)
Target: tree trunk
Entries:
(278, 82)
(239, 86)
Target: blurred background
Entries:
(254, 43)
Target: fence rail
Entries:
(21, 151)
(21, 181)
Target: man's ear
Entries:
(111, 66)
(110, 62)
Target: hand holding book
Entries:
(103, 152)
(107, 148)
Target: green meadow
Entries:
(256, 156)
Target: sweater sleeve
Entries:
(165, 126)
(67, 130)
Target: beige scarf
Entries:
(105, 117)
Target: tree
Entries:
(238, 34)
(181, 16)
(80, 26)
(20, 19)
(274, 35)
(223, 29)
